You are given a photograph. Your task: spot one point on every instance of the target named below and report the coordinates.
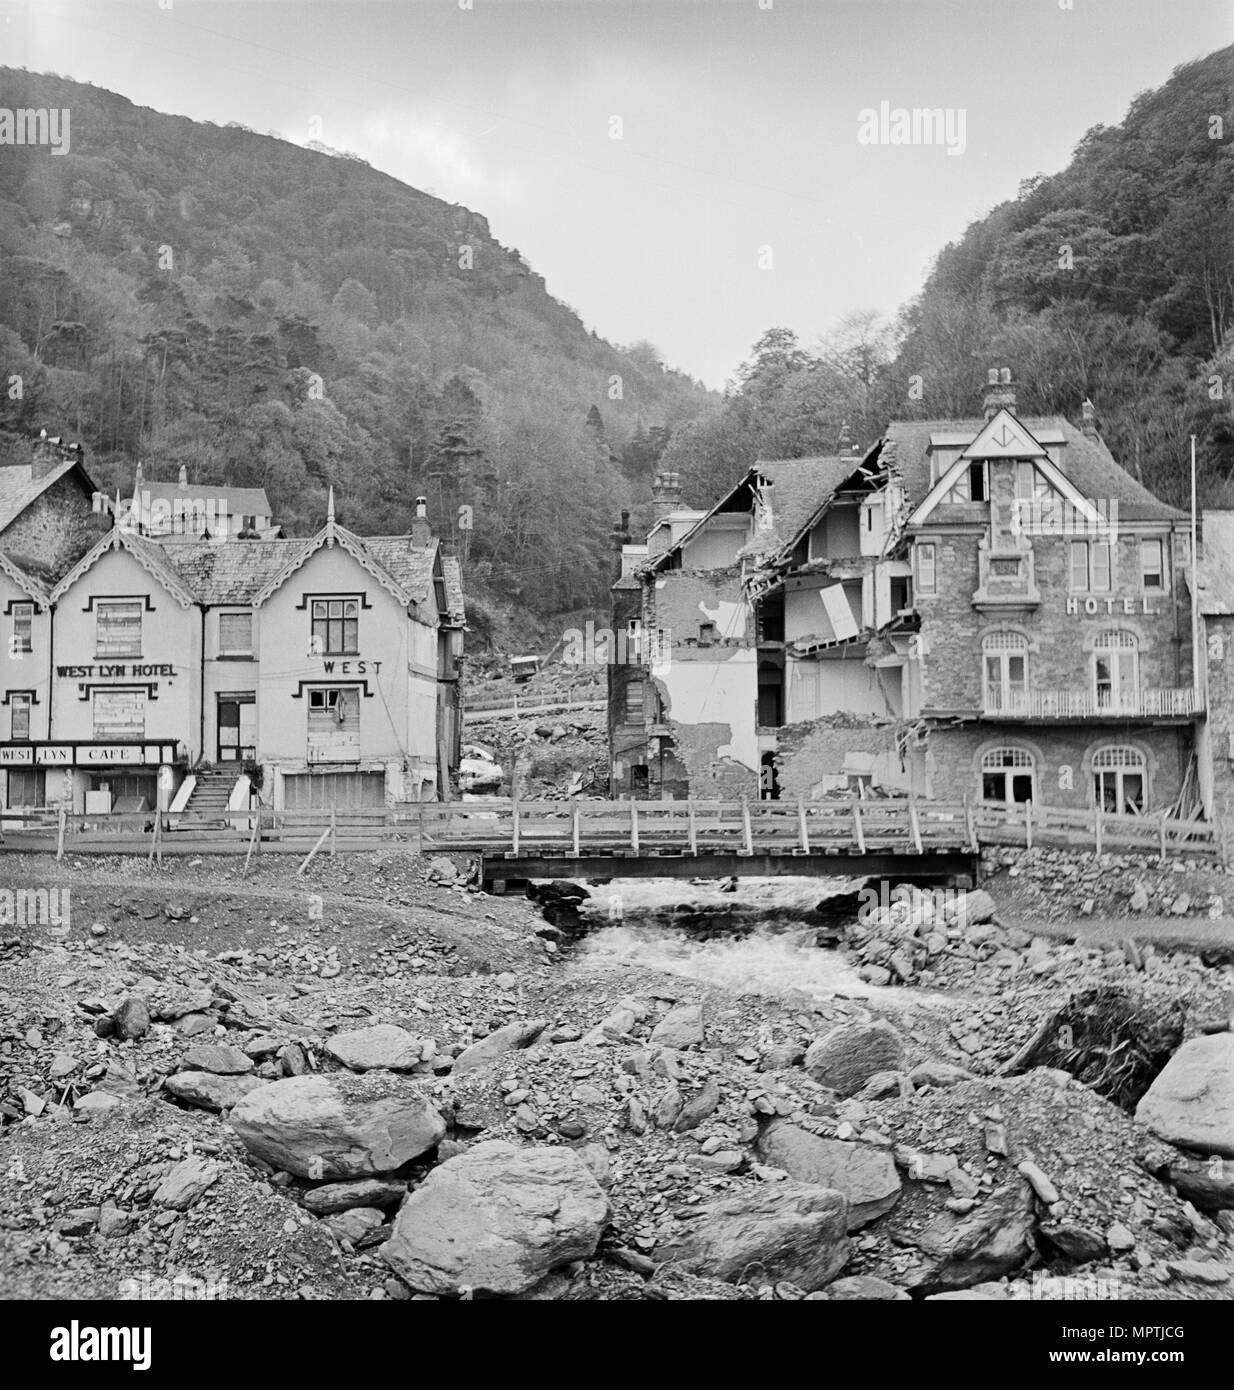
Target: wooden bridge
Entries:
(901, 838)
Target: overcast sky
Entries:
(738, 195)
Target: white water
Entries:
(774, 961)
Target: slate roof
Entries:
(236, 571)
(23, 578)
(455, 604)
(1084, 459)
(19, 488)
(1216, 567)
(241, 501)
(231, 571)
(794, 491)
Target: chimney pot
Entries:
(421, 532)
(999, 392)
(184, 476)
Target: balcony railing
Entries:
(1168, 702)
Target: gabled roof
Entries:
(332, 534)
(792, 490)
(1085, 461)
(26, 582)
(151, 557)
(411, 565)
(19, 487)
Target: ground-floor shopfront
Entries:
(97, 778)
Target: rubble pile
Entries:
(221, 1095)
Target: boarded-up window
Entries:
(236, 634)
(118, 629)
(119, 714)
(341, 790)
(334, 725)
(20, 706)
(634, 702)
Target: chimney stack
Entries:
(665, 494)
(45, 455)
(1088, 425)
(999, 392)
(421, 531)
(621, 532)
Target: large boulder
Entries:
(499, 1041)
(847, 1057)
(211, 1092)
(772, 1233)
(497, 1218)
(993, 1240)
(338, 1126)
(865, 1175)
(1191, 1103)
(382, 1047)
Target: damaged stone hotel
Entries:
(990, 609)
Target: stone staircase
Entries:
(207, 805)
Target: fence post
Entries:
(64, 820)
(1028, 824)
(574, 828)
(1097, 827)
(693, 827)
(858, 829)
(803, 833)
(634, 826)
(308, 857)
(1161, 829)
(333, 835)
(747, 834)
(252, 841)
(970, 825)
(914, 823)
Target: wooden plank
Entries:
(309, 857)
(858, 830)
(64, 817)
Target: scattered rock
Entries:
(186, 1182)
(221, 1059)
(680, 1027)
(210, 1092)
(364, 1192)
(498, 1042)
(382, 1046)
(1191, 1103)
(132, 1018)
(845, 1058)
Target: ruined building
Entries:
(987, 608)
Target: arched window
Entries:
(1116, 671)
(1120, 780)
(1005, 663)
(1008, 774)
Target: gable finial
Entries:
(330, 507)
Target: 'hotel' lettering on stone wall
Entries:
(1093, 606)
